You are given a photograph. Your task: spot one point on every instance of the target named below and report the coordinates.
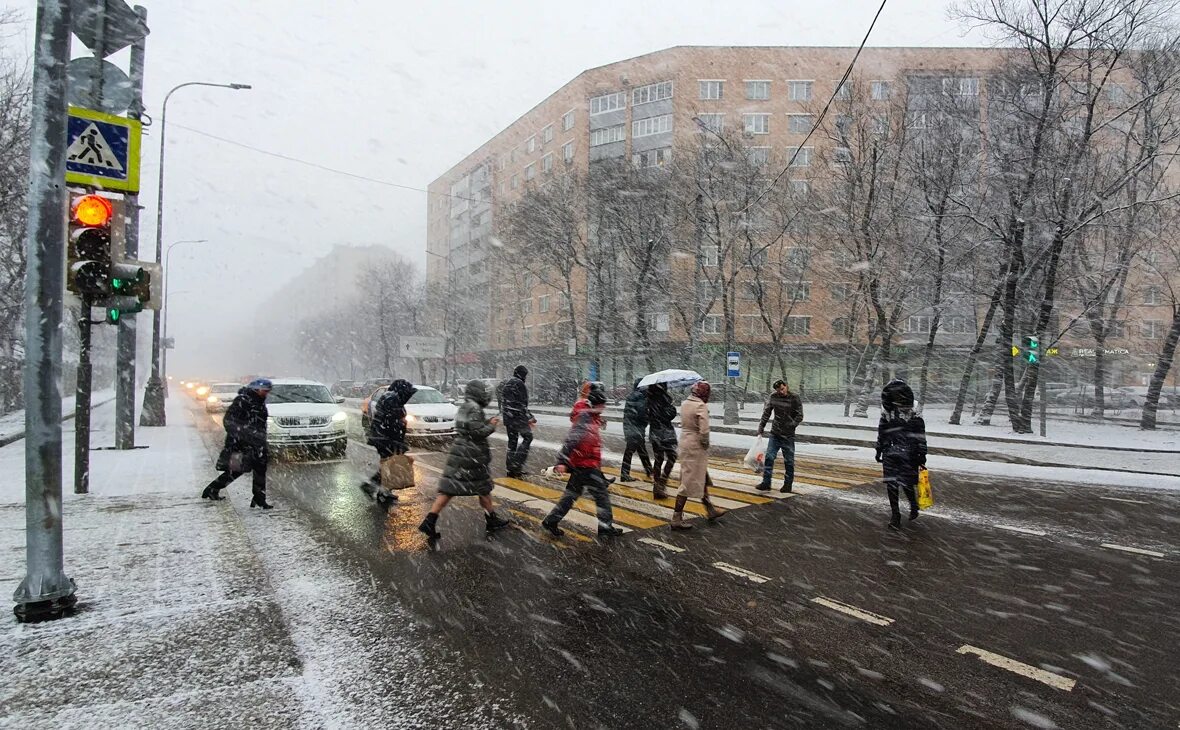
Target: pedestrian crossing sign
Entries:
(102, 150)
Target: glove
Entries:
(878, 457)
(760, 433)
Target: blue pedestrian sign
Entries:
(733, 365)
(103, 150)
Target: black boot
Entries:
(212, 492)
(895, 522)
(609, 531)
(913, 512)
(261, 502)
(427, 527)
(552, 528)
(495, 522)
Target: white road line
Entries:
(1022, 530)
(1025, 670)
(1121, 499)
(741, 573)
(661, 545)
(1137, 551)
(853, 611)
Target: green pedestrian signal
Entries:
(1032, 349)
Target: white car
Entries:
(430, 415)
(305, 415)
(220, 396)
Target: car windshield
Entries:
(223, 388)
(427, 396)
(281, 393)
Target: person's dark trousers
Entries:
(773, 445)
(892, 486)
(259, 486)
(635, 447)
(591, 480)
(662, 463)
(519, 441)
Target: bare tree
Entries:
(15, 96)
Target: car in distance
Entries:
(220, 396)
(306, 417)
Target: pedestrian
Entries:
(518, 420)
(467, 472)
(694, 456)
(901, 447)
(784, 412)
(660, 414)
(581, 457)
(635, 432)
(387, 431)
(245, 443)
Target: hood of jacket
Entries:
(401, 391)
(478, 392)
(520, 371)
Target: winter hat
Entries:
(702, 390)
(520, 372)
(596, 394)
(584, 391)
(897, 395)
(260, 384)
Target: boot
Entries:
(552, 528)
(713, 512)
(913, 512)
(659, 491)
(624, 476)
(895, 522)
(261, 502)
(427, 527)
(212, 492)
(609, 531)
(786, 488)
(678, 522)
(495, 522)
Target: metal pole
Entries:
(82, 404)
(45, 592)
(127, 335)
(1044, 405)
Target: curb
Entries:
(14, 437)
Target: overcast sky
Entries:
(396, 91)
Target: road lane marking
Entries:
(741, 573)
(1137, 551)
(1025, 670)
(661, 545)
(1022, 530)
(853, 611)
(1121, 499)
(627, 517)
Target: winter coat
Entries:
(901, 445)
(582, 448)
(787, 412)
(466, 473)
(660, 414)
(514, 404)
(694, 446)
(245, 429)
(635, 417)
(387, 430)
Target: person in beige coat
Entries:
(694, 456)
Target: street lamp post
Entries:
(153, 395)
(164, 334)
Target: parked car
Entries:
(220, 396)
(304, 415)
(1169, 398)
(1082, 396)
(342, 388)
(429, 415)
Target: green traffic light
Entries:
(113, 315)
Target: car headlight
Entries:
(411, 420)
(272, 424)
(214, 399)
(339, 417)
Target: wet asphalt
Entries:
(622, 633)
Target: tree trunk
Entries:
(867, 383)
(1008, 327)
(961, 398)
(989, 403)
(1162, 366)
(1099, 409)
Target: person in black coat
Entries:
(635, 432)
(245, 443)
(660, 414)
(518, 420)
(901, 447)
(467, 472)
(387, 430)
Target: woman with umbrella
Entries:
(660, 414)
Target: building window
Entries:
(756, 123)
(880, 90)
(840, 291)
(712, 122)
(916, 120)
(841, 155)
(711, 255)
(567, 152)
(797, 258)
(712, 324)
(652, 158)
(607, 103)
(957, 325)
(547, 134)
(607, 135)
(1153, 329)
(797, 325)
(530, 171)
(844, 91)
(515, 182)
(799, 123)
(756, 325)
(840, 326)
(758, 90)
(800, 291)
(750, 291)
(547, 163)
(652, 125)
(918, 325)
(879, 124)
(543, 303)
(801, 188)
(960, 87)
(651, 92)
(530, 145)
(526, 307)
(1152, 295)
(758, 155)
(799, 90)
(711, 90)
(567, 121)
(758, 259)
(657, 321)
(799, 156)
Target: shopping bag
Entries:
(230, 461)
(757, 454)
(397, 472)
(925, 495)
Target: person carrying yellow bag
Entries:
(901, 447)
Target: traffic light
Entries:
(89, 250)
(115, 308)
(1032, 349)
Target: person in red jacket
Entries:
(581, 457)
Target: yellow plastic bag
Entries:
(925, 494)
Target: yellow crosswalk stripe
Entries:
(735, 495)
(623, 516)
(549, 540)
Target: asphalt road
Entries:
(1001, 607)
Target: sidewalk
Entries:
(176, 623)
(12, 425)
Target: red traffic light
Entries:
(92, 210)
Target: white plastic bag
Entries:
(756, 455)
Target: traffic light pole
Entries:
(45, 592)
(82, 404)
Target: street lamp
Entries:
(153, 395)
(164, 335)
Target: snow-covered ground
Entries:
(12, 425)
